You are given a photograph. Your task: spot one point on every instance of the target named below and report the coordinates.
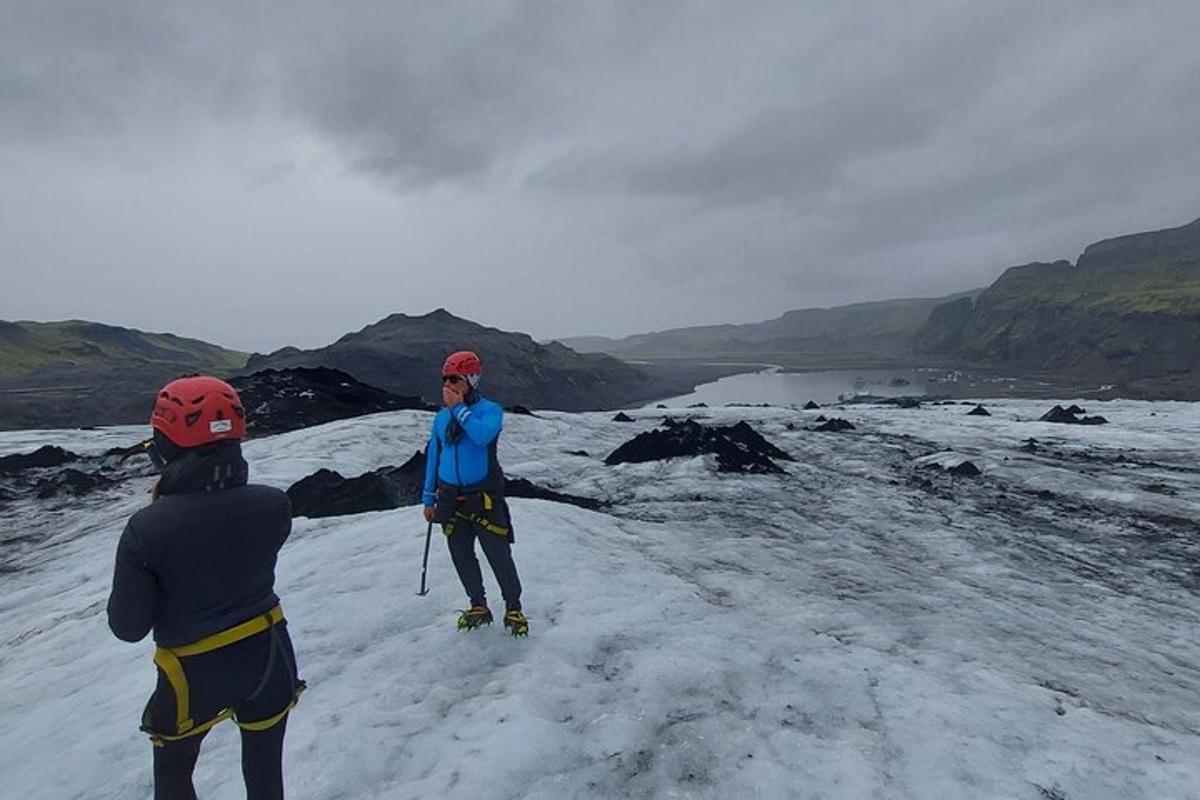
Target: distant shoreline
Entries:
(950, 381)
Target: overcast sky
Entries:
(266, 174)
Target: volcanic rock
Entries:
(519, 487)
(1071, 416)
(277, 401)
(72, 481)
(46, 456)
(327, 493)
(44, 473)
(738, 448)
(834, 425)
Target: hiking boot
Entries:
(473, 617)
(515, 622)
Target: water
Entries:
(797, 388)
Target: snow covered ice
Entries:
(861, 627)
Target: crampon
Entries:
(473, 617)
(515, 623)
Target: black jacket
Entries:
(201, 558)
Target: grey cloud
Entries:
(786, 153)
(419, 97)
(870, 94)
(94, 72)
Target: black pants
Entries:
(460, 537)
(262, 765)
(256, 678)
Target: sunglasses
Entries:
(453, 379)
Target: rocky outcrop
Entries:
(277, 401)
(45, 456)
(1071, 416)
(834, 425)
(738, 448)
(327, 493)
(52, 471)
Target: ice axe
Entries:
(425, 561)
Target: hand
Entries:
(453, 393)
(428, 513)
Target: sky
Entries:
(260, 175)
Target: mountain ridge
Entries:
(77, 372)
(871, 333)
(403, 354)
(1127, 313)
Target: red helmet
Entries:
(464, 362)
(198, 410)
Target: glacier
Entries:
(863, 626)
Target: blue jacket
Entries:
(467, 461)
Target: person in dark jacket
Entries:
(197, 567)
(464, 491)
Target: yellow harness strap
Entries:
(167, 659)
(158, 739)
(271, 722)
(168, 662)
(230, 635)
(479, 520)
(496, 529)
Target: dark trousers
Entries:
(262, 765)
(255, 677)
(461, 538)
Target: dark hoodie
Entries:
(201, 558)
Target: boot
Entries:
(473, 617)
(515, 622)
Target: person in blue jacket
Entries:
(464, 492)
